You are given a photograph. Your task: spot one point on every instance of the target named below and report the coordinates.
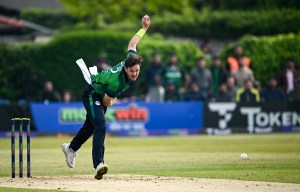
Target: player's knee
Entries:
(99, 124)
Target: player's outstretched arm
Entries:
(138, 36)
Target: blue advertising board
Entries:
(125, 119)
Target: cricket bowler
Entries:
(103, 90)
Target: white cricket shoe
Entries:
(101, 170)
(70, 155)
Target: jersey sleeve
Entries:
(110, 92)
(131, 52)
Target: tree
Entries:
(96, 13)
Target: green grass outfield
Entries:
(5, 189)
(272, 157)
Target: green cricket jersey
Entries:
(173, 74)
(113, 81)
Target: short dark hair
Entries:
(216, 58)
(101, 60)
(132, 60)
(201, 58)
(248, 80)
(271, 77)
(238, 45)
(171, 54)
(290, 59)
(155, 54)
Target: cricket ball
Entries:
(244, 156)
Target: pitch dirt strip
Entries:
(145, 183)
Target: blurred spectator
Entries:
(202, 76)
(248, 93)
(295, 94)
(222, 95)
(206, 49)
(288, 76)
(68, 96)
(194, 93)
(231, 86)
(102, 65)
(49, 94)
(187, 82)
(257, 85)
(298, 70)
(173, 75)
(155, 68)
(272, 92)
(242, 74)
(156, 93)
(233, 62)
(171, 93)
(219, 74)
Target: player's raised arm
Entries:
(137, 37)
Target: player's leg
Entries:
(87, 129)
(83, 134)
(98, 138)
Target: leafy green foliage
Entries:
(16, 64)
(96, 13)
(228, 24)
(249, 4)
(52, 19)
(169, 20)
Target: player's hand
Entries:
(108, 101)
(113, 101)
(146, 22)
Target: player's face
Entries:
(133, 72)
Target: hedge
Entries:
(204, 24)
(52, 19)
(228, 24)
(268, 54)
(250, 4)
(16, 70)
(56, 60)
